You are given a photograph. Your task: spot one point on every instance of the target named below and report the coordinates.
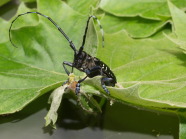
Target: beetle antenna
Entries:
(54, 23)
(86, 29)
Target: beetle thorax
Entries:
(84, 61)
(88, 62)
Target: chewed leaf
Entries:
(55, 99)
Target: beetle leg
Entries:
(78, 85)
(68, 64)
(94, 69)
(67, 72)
(77, 88)
(103, 80)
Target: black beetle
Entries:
(84, 62)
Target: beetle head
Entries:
(79, 58)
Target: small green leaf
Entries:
(88, 103)
(179, 24)
(84, 103)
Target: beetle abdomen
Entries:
(106, 71)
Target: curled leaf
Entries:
(55, 100)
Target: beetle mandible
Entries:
(84, 62)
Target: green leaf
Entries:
(2, 2)
(87, 102)
(137, 27)
(83, 6)
(150, 9)
(179, 22)
(134, 16)
(21, 83)
(26, 21)
(35, 67)
(4, 25)
(152, 72)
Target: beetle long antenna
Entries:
(86, 29)
(60, 30)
